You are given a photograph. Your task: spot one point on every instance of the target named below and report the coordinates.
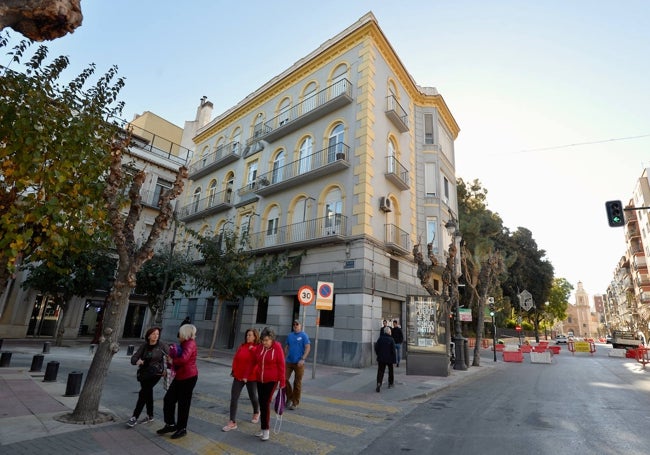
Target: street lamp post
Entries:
(459, 341)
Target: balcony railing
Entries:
(216, 202)
(326, 161)
(397, 114)
(332, 228)
(398, 240)
(159, 146)
(224, 154)
(327, 100)
(397, 173)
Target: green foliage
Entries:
(232, 271)
(54, 157)
(161, 276)
(71, 274)
(558, 299)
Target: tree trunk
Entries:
(216, 325)
(87, 409)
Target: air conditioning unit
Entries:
(384, 204)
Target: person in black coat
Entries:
(385, 350)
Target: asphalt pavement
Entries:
(29, 405)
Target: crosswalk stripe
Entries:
(201, 445)
(360, 404)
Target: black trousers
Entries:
(179, 392)
(145, 396)
(265, 392)
(381, 367)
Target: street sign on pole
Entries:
(306, 295)
(324, 301)
(526, 300)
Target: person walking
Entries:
(183, 361)
(269, 360)
(398, 337)
(150, 359)
(244, 373)
(385, 350)
(296, 350)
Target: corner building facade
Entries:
(343, 160)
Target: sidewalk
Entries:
(29, 406)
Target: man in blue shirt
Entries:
(296, 351)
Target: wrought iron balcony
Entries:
(397, 173)
(214, 203)
(397, 114)
(397, 240)
(321, 103)
(333, 228)
(327, 161)
(223, 155)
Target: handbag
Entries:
(168, 375)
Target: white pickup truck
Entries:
(623, 340)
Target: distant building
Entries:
(28, 313)
(581, 321)
(342, 157)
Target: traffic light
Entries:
(615, 215)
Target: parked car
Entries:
(561, 339)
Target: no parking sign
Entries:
(325, 296)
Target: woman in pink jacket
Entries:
(183, 360)
(244, 373)
(269, 359)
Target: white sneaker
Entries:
(265, 435)
(260, 434)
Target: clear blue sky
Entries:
(519, 77)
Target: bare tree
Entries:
(131, 258)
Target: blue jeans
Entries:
(398, 352)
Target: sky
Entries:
(552, 97)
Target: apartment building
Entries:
(343, 161)
(25, 312)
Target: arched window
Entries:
(272, 221)
(236, 141)
(278, 167)
(212, 193)
(335, 143)
(230, 181)
(258, 126)
(309, 97)
(283, 116)
(305, 155)
(218, 149)
(332, 210)
(196, 199)
(391, 154)
(339, 84)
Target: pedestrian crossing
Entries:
(321, 425)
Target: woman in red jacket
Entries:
(269, 359)
(244, 373)
(183, 360)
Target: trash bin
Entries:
(46, 347)
(5, 359)
(73, 387)
(130, 349)
(1, 341)
(37, 362)
(51, 370)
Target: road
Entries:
(580, 404)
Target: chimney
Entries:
(203, 112)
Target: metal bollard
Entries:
(1, 341)
(5, 359)
(46, 347)
(73, 386)
(37, 362)
(51, 370)
(130, 349)
(91, 350)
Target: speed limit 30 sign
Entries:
(306, 295)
